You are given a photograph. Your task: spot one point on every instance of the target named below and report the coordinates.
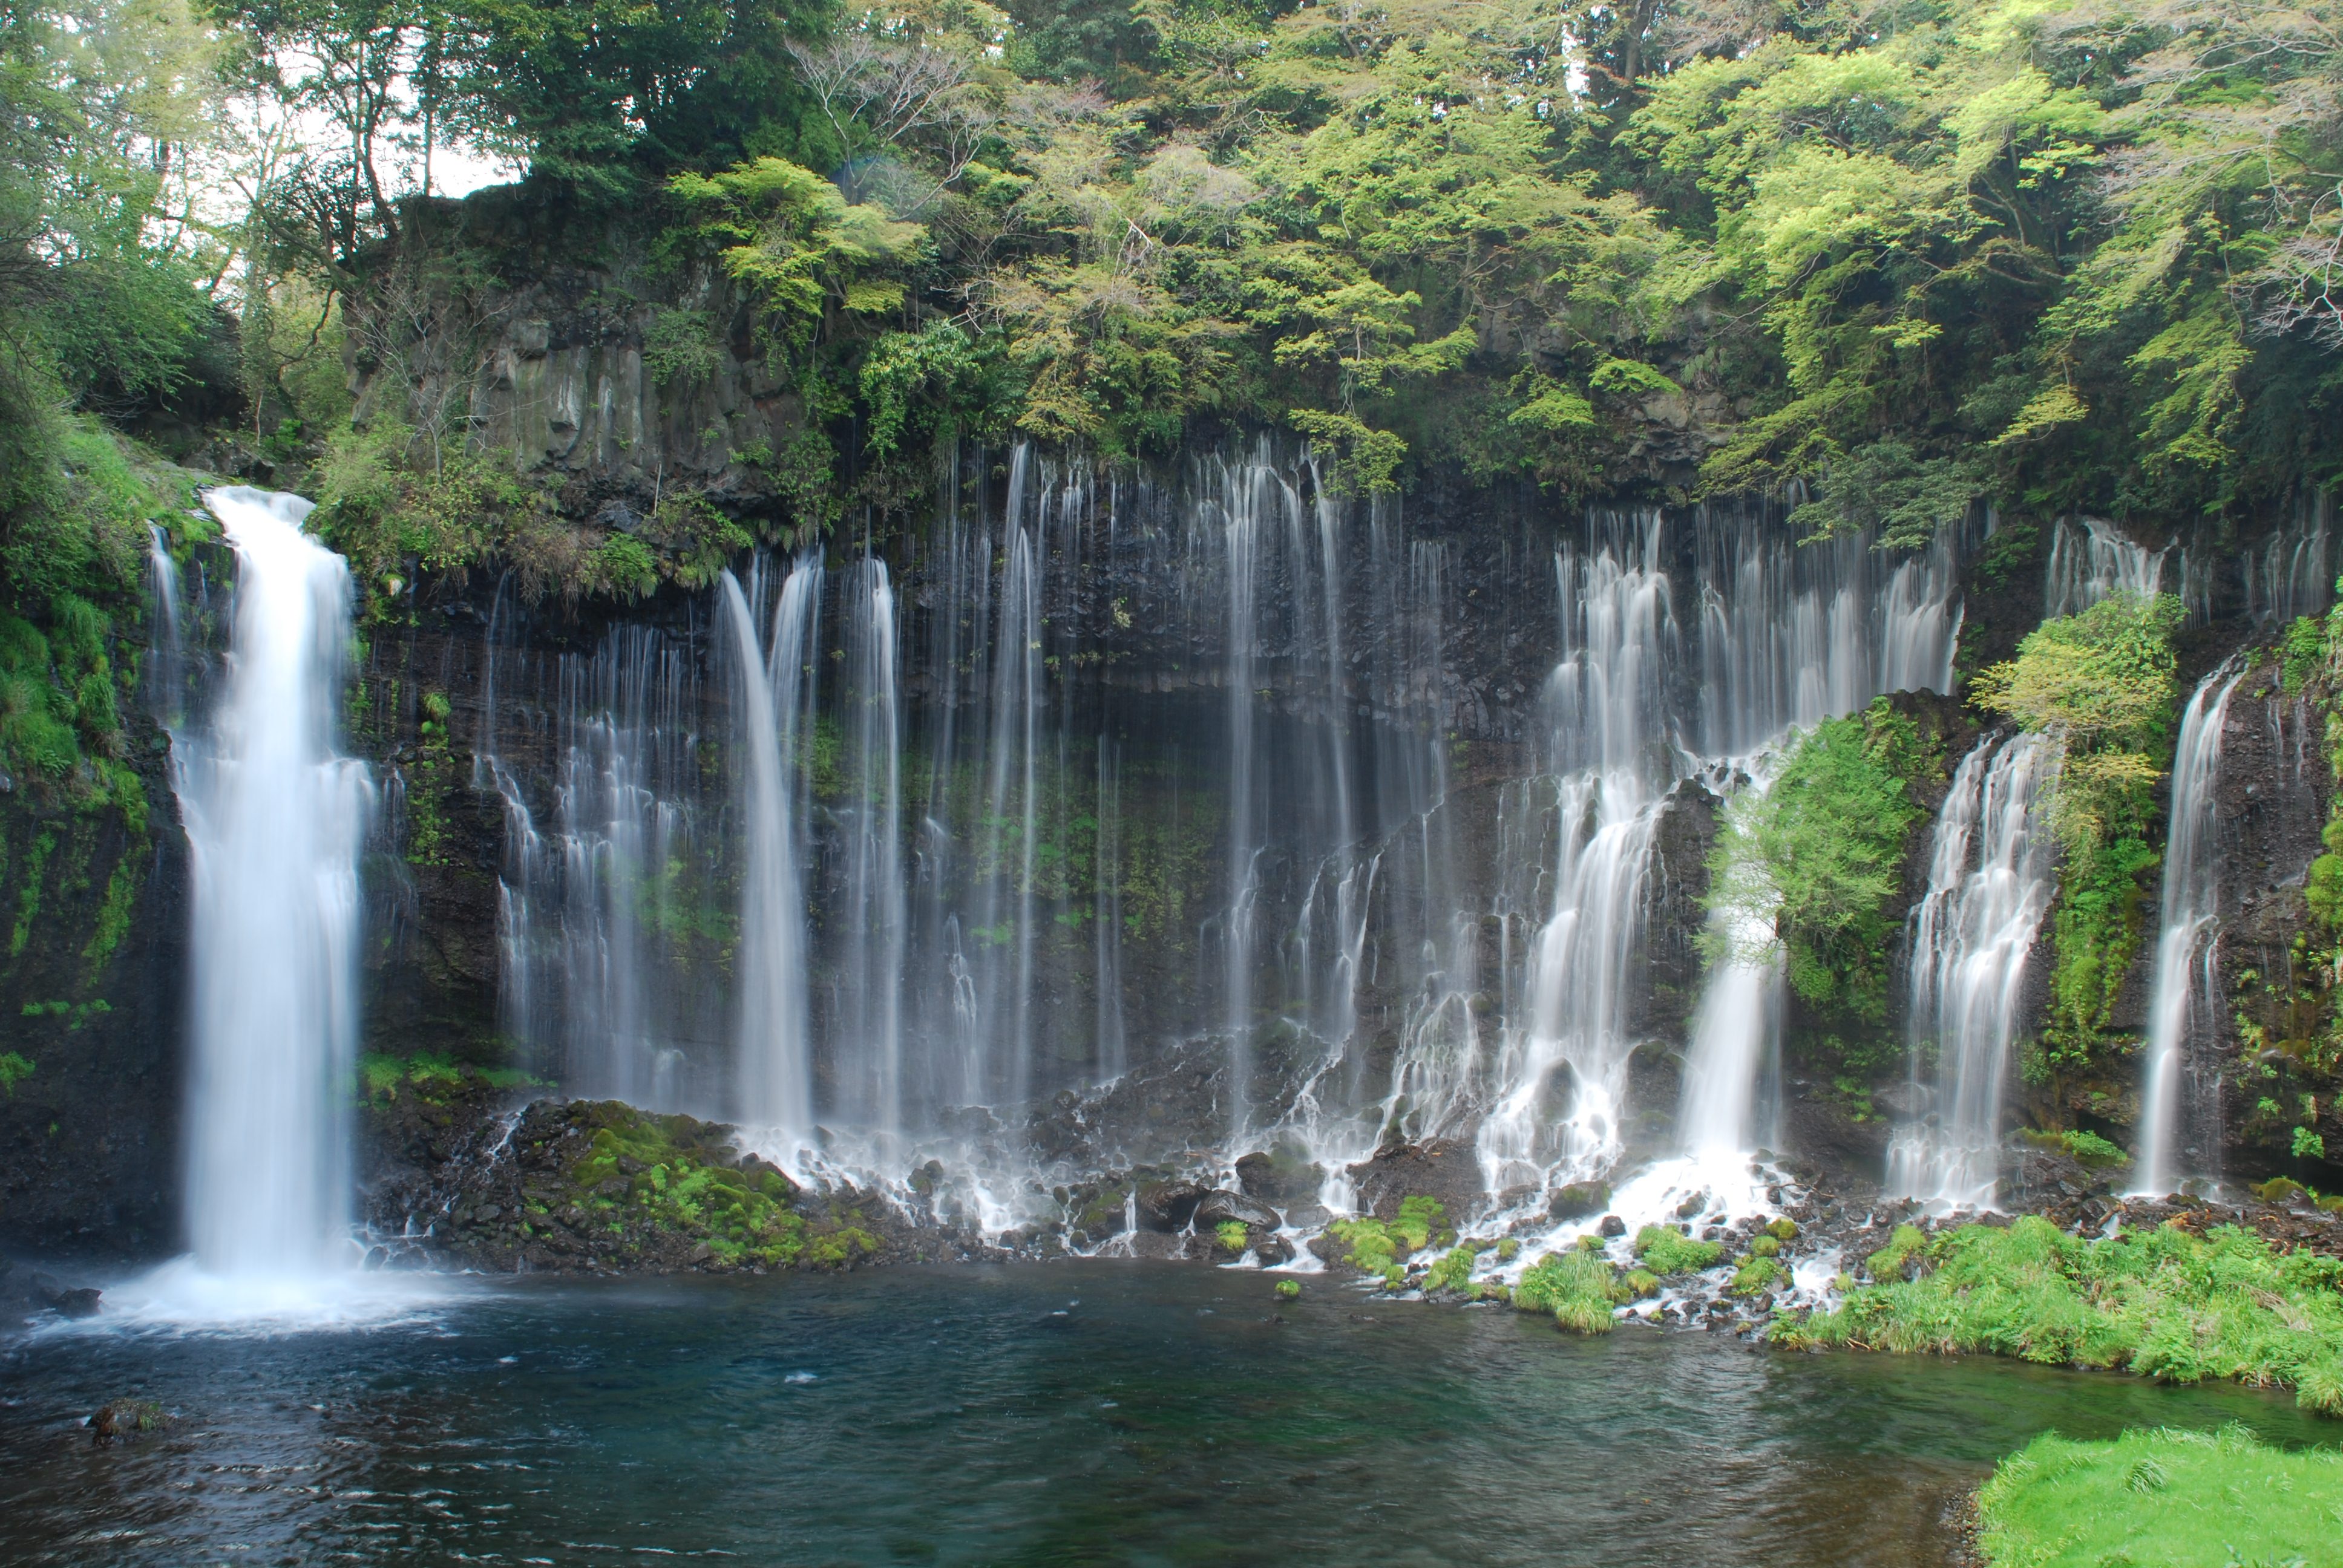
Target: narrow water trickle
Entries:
(275, 815)
(2184, 996)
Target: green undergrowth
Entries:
(638, 1169)
(1453, 1270)
(1383, 1247)
(2161, 1302)
(1666, 1250)
(2154, 1498)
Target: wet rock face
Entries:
(92, 963)
(2271, 798)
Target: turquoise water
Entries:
(1070, 1414)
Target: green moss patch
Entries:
(2153, 1498)
(2164, 1303)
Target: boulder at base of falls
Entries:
(125, 1420)
(1219, 1207)
(1443, 1169)
(1280, 1177)
(1169, 1205)
(24, 1292)
(1579, 1199)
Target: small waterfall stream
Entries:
(2184, 996)
(275, 817)
(1989, 886)
(2089, 562)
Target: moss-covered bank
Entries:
(591, 1185)
(2164, 1303)
(2148, 1499)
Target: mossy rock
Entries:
(1578, 1199)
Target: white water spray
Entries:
(275, 816)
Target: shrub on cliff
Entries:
(2103, 683)
(2161, 1302)
(1807, 866)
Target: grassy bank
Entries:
(2162, 1303)
(2159, 1498)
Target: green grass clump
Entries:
(2163, 1303)
(1757, 1273)
(1641, 1282)
(1766, 1246)
(432, 1078)
(1887, 1263)
(1666, 1250)
(14, 1069)
(1577, 1287)
(2151, 1498)
(1230, 1234)
(1289, 1290)
(1453, 1272)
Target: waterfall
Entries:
(165, 678)
(1181, 740)
(2186, 991)
(2293, 572)
(1251, 492)
(869, 1007)
(275, 816)
(1989, 885)
(1562, 1070)
(773, 1073)
(2092, 562)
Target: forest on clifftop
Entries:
(1913, 254)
